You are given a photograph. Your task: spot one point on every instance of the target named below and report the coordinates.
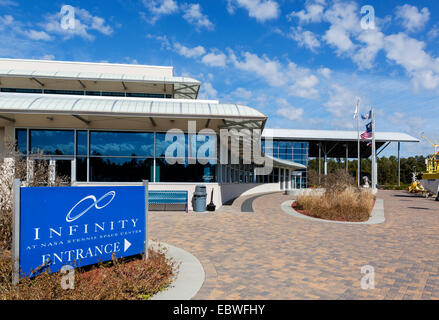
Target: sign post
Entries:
(16, 232)
(146, 185)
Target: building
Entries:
(103, 123)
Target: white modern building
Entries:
(103, 123)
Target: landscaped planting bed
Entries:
(350, 204)
(123, 279)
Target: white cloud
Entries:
(193, 15)
(165, 44)
(194, 52)
(16, 28)
(344, 20)
(326, 72)
(270, 70)
(305, 38)
(37, 35)
(288, 111)
(313, 13)
(84, 23)
(242, 93)
(261, 10)
(373, 41)
(208, 91)
(159, 8)
(341, 102)
(215, 59)
(411, 18)
(304, 82)
(410, 54)
(8, 3)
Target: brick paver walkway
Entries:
(271, 255)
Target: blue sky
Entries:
(303, 63)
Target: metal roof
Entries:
(71, 71)
(287, 164)
(111, 106)
(334, 135)
(90, 76)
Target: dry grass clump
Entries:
(134, 279)
(348, 205)
(341, 200)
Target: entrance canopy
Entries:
(336, 144)
(12, 103)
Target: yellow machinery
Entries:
(430, 178)
(416, 186)
(432, 164)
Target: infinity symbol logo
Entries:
(95, 204)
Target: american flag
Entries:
(368, 133)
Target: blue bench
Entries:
(168, 197)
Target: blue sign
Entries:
(79, 226)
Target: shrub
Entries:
(14, 165)
(332, 182)
(351, 204)
(118, 280)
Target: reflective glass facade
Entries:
(123, 156)
(294, 151)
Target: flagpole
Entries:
(358, 143)
(374, 159)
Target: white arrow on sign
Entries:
(126, 245)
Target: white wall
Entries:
(221, 194)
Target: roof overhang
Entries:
(16, 73)
(11, 103)
(337, 144)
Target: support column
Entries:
(320, 159)
(399, 164)
(325, 165)
(347, 158)
(73, 175)
(29, 171)
(52, 172)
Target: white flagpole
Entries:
(374, 159)
(358, 143)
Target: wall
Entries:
(222, 192)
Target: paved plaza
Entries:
(268, 254)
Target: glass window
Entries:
(184, 172)
(52, 142)
(93, 93)
(63, 169)
(20, 90)
(179, 141)
(81, 169)
(120, 169)
(203, 146)
(21, 136)
(72, 92)
(81, 143)
(121, 144)
(113, 94)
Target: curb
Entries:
(376, 217)
(190, 276)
